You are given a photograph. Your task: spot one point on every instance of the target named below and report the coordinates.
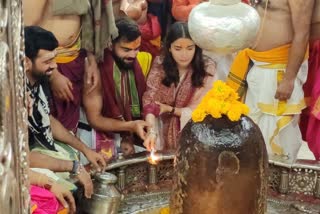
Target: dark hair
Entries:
(176, 31)
(37, 38)
(128, 30)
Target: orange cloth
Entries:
(239, 67)
(182, 8)
(33, 207)
(68, 53)
(63, 211)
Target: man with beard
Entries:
(113, 108)
(44, 130)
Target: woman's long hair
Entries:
(180, 30)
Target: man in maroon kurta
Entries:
(113, 108)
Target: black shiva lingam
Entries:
(221, 164)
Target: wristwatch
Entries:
(49, 184)
(76, 168)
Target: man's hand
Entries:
(95, 159)
(61, 86)
(284, 90)
(164, 108)
(139, 126)
(85, 180)
(91, 73)
(64, 196)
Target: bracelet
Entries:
(76, 168)
(152, 132)
(173, 109)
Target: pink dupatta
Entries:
(313, 123)
(45, 201)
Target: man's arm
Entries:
(93, 103)
(92, 73)
(60, 133)
(301, 13)
(38, 160)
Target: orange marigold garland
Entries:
(165, 210)
(220, 100)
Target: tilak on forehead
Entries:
(131, 45)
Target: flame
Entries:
(153, 158)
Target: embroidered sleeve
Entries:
(153, 87)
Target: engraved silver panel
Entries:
(14, 194)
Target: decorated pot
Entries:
(106, 198)
(223, 26)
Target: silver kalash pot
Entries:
(106, 198)
(223, 26)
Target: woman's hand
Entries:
(64, 196)
(164, 108)
(150, 140)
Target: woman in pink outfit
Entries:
(176, 84)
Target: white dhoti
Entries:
(278, 120)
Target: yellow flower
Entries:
(225, 107)
(234, 114)
(220, 100)
(245, 109)
(220, 90)
(198, 115)
(232, 96)
(165, 210)
(214, 108)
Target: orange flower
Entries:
(198, 115)
(165, 210)
(220, 100)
